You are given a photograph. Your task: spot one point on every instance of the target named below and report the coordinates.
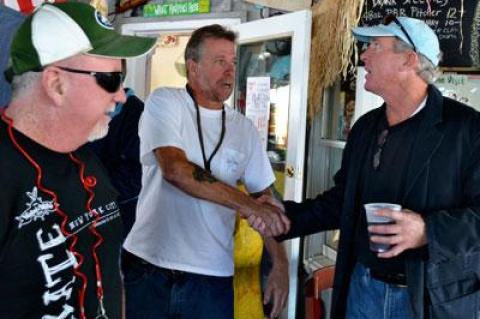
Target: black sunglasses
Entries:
(392, 18)
(382, 138)
(109, 81)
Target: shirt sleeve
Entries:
(160, 124)
(258, 172)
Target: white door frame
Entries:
(296, 25)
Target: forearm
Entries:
(195, 181)
(311, 216)
(199, 183)
(276, 292)
(277, 252)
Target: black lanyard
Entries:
(206, 163)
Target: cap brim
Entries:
(365, 34)
(124, 47)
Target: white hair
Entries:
(426, 70)
(23, 84)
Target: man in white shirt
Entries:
(194, 150)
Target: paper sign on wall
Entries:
(175, 8)
(461, 87)
(258, 105)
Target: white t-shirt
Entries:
(173, 229)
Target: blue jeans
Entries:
(158, 293)
(369, 298)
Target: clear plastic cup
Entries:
(373, 219)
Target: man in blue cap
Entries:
(419, 150)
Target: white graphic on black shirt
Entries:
(37, 208)
(57, 262)
(105, 213)
(58, 277)
(67, 311)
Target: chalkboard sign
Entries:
(456, 23)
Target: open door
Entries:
(271, 88)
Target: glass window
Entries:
(267, 64)
(329, 132)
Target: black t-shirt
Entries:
(36, 268)
(385, 184)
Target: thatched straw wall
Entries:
(332, 45)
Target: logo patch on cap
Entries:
(103, 21)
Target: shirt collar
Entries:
(420, 106)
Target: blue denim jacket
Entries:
(10, 20)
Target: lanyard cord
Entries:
(88, 183)
(206, 163)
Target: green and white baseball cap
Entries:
(58, 31)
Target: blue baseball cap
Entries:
(421, 35)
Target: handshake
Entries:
(266, 216)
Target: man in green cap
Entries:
(60, 229)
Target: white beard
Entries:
(99, 131)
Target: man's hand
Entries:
(272, 201)
(409, 231)
(266, 226)
(257, 223)
(276, 292)
(267, 219)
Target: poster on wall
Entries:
(257, 106)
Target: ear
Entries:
(192, 67)
(411, 60)
(52, 83)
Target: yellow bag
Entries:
(248, 248)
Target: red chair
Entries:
(321, 279)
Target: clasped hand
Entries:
(268, 218)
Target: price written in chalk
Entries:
(456, 23)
